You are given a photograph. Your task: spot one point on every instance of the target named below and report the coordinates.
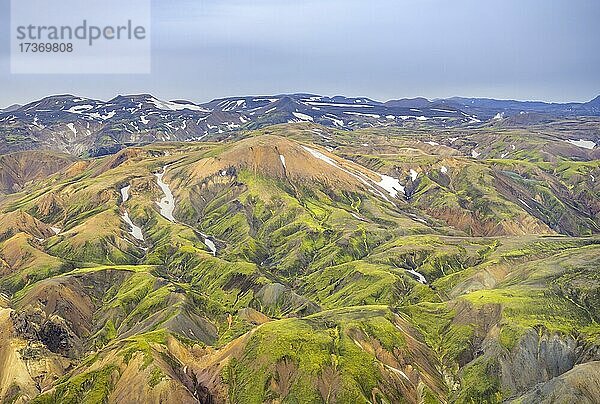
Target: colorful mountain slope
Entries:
(282, 267)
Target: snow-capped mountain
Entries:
(81, 126)
(86, 126)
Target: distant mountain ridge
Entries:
(83, 126)
(595, 103)
(11, 108)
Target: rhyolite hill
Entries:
(306, 263)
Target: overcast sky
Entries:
(383, 49)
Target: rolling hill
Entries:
(299, 261)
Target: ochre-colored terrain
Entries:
(300, 264)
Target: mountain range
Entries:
(89, 127)
(299, 249)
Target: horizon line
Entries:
(304, 93)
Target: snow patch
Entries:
(334, 119)
(329, 104)
(79, 109)
(302, 116)
(524, 203)
(361, 114)
(419, 276)
(585, 144)
(173, 106)
(321, 156)
(413, 174)
(210, 244)
(444, 170)
(282, 158)
(359, 176)
(71, 126)
(265, 99)
(37, 123)
(135, 230)
(167, 203)
(391, 185)
(354, 215)
(397, 371)
(103, 117)
(125, 193)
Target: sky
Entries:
(382, 49)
